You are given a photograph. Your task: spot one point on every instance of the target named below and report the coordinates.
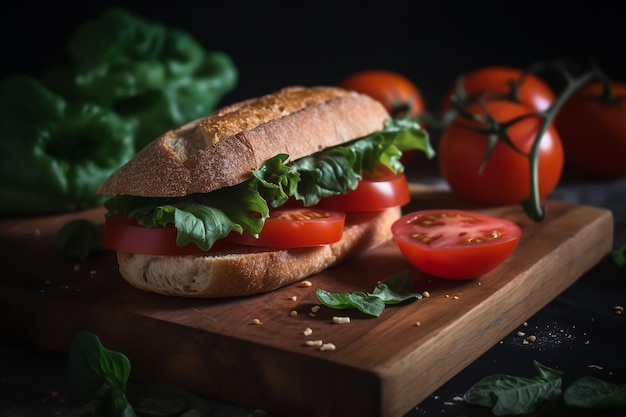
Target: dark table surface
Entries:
(579, 332)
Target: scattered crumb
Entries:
(328, 346)
(293, 313)
(341, 320)
(315, 343)
(294, 298)
(521, 333)
(305, 283)
(532, 338)
(618, 310)
(426, 294)
(308, 331)
(456, 297)
(417, 324)
(315, 309)
(256, 321)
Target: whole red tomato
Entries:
(397, 93)
(495, 81)
(505, 176)
(593, 130)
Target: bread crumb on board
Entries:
(341, 320)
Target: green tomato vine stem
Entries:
(496, 131)
(532, 205)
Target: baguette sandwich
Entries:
(259, 194)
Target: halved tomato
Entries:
(455, 244)
(123, 235)
(296, 227)
(376, 191)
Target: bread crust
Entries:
(252, 270)
(221, 149)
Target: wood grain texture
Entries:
(381, 366)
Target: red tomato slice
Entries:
(377, 191)
(124, 235)
(455, 244)
(296, 227)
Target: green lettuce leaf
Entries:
(204, 218)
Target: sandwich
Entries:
(260, 193)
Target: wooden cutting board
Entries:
(381, 366)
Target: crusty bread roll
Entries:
(221, 150)
(252, 270)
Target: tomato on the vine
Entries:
(376, 191)
(397, 93)
(455, 244)
(295, 227)
(494, 82)
(501, 176)
(593, 130)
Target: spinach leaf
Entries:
(513, 395)
(393, 290)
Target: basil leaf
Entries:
(78, 238)
(393, 290)
(100, 373)
(368, 304)
(590, 392)
(513, 395)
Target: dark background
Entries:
(277, 44)
(274, 44)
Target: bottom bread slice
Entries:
(252, 270)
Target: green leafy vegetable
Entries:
(205, 218)
(101, 375)
(513, 395)
(54, 154)
(79, 238)
(590, 392)
(619, 256)
(393, 290)
(127, 81)
(156, 76)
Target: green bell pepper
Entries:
(127, 81)
(55, 153)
